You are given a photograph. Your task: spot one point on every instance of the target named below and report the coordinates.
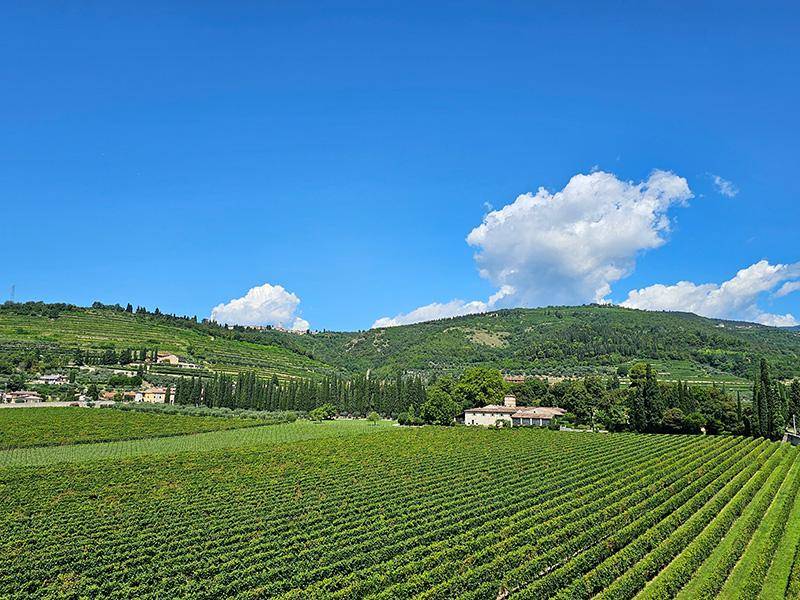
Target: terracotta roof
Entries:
(538, 412)
(493, 408)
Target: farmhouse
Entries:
(154, 395)
(22, 396)
(488, 415)
(514, 416)
(536, 415)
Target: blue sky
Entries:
(178, 155)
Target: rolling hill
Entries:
(565, 341)
(556, 341)
(62, 328)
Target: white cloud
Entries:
(262, 305)
(439, 310)
(570, 246)
(736, 298)
(300, 324)
(566, 247)
(787, 288)
(724, 187)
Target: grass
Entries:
(248, 437)
(24, 427)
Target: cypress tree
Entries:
(651, 400)
(755, 419)
(794, 402)
(739, 419)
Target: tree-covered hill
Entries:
(541, 341)
(566, 340)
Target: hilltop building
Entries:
(524, 416)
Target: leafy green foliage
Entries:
(322, 413)
(427, 512)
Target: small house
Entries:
(156, 395)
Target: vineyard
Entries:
(246, 435)
(96, 329)
(22, 427)
(423, 513)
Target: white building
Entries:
(489, 415)
(167, 358)
(540, 416)
(156, 395)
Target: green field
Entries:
(23, 427)
(424, 513)
(242, 437)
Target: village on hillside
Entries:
(96, 385)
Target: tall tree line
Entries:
(357, 396)
(775, 406)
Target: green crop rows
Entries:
(422, 513)
(22, 427)
(243, 437)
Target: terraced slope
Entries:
(423, 513)
(95, 329)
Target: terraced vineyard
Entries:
(424, 513)
(100, 328)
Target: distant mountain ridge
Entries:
(557, 341)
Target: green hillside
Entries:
(61, 330)
(555, 341)
(565, 341)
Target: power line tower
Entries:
(13, 291)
